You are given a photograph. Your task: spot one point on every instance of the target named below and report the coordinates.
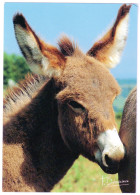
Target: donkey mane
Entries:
(25, 89)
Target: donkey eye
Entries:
(76, 106)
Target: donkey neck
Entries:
(36, 128)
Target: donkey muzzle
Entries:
(111, 150)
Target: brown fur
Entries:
(128, 137)
(48, 123)
(31, 139)
(101, 48)
(66, 46)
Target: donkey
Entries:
(127, 172)
(63, 110)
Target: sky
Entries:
(84, 23)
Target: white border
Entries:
(138, 106)
(138, 72)
(1, 83)
(73, 1)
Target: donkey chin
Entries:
(110, 152)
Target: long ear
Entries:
(41, 57)
(109, 48)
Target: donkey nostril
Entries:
(110, 162)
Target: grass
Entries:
(86, 176)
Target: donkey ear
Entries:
(109, 48)
(41, 57)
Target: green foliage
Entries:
(119, 115)
(86, 176)
(15, 68)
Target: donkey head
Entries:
(85, 89)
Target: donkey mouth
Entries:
(110, 170)
(113, 166)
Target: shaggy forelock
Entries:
(66, 46)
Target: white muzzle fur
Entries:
(110, 144)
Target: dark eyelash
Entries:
(76, 105)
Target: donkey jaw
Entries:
(110, 150)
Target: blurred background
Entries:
(83, 23)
